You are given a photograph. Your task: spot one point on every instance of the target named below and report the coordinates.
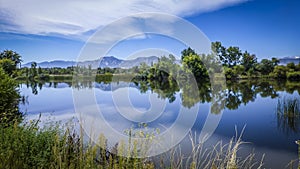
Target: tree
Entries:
(233, 56)
(229, 57)
(187, 52)
(239, 69)
(291, 66)
(163, 69)
(220, 51)
(195, 65)
(230, 73)
(280, 72)
(12, 55)
(275, 61)
(33, 71)
(266, 66)
(248, 61)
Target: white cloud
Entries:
(77, 18)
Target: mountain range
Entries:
(106, 61)
(113, 62)
(290, 59)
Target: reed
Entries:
(30, 146)
(288, 114)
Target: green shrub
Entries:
(8, 66)
(279, 72)
(230, 73)
(293, 75)
(9, 100)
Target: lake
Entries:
(249, 104)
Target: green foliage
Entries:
(9, 61)
(233, 56)
(291, 66)
(12, 55)
(9, 100)
(280, 72)
(33, 71)
(220, 51)
(212, 63)
(187, 52)
(194, 64)
(230, 73)
(163, 70)
(239, 69)
(248, 61)
(266, 66)
(293, 75)
(230, 56)
(7, 65)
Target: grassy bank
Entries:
(28, 146)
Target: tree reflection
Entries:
(221, 96)
(229, 97)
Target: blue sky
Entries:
(57, 30)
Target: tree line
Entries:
(236, 64)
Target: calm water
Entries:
(249, 104)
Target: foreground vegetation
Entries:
(28, 146)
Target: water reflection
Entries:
(231, 96)
(246, 102)
(234, 95)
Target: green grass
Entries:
(29, 146)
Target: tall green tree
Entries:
(229, 57)
(12, 55)
(233, 56)
(220, 52)
(280, 72)
(187, 52)
(194, 64)
(33, 71)
(267, 66)
(248, 61)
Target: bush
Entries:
(230, 73)
(8, 66)
(9, 100)
(293, 75)
(280, 72)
